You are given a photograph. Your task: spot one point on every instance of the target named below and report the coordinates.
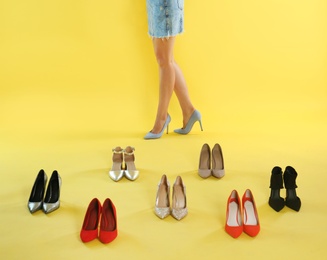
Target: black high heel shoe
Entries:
(51, 201)
(292, 200)
(276, 183)
(37, 193)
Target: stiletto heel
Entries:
(251, 225)
(276, 183)
(292, 200)
(151, 135)
(162, 204)
(130, 171)
(37, 193)
(52, 197)
(205, 161)
(218, 169)
(91, 221)
(196, 116)
(179, 205)
(117, 172)
(233, 225)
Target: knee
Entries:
(164, 61)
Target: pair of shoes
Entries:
(234, 225)
(276, 183)
(179, 205)
(51, 200)
(218, 169)
(104, 215)
(119, 170)
(151, 135)
(196, 116)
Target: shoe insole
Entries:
(179, 197)
(204, 162)
(217, 162)
(108, 222)
(92, 221)
(233, 215)
(162, 197)
(249, 214)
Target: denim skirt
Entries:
(165, 17)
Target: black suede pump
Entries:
(292, 200)
(276, 183)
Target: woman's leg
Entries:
(163, 49)
(182, 94)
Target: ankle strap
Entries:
(130, 153)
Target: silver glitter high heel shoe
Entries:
(162, 206)
(179, 205)
(37, 193)
(130, 171)
(117, 171)
(51, 201)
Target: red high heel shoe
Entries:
(108, 223)
(91, 221)
(233, 225)
(251, 224)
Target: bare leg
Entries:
(163, 49)
(182, 94)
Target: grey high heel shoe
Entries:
(196, 116)
(151, 135)
(117, 171)
(130, 170)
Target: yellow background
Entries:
(78, 78)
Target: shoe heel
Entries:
(200, 122)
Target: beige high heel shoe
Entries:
(117, 171)
(218, 169)
(179, 205)
(205, 162)
(162, 206)
(130, 170)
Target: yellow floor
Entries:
(78, 79)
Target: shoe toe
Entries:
(132, 175)
(116, 175)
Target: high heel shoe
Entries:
(251, 225)
(117, 172)
(205, 162)
(162, 205)
(90, 226)
(151, 135)
(276, 183)
(179, 205)
(218, 169)
(37, 193)
(196, 116)
(108, 224)
(292, 200)
(130, 171)
(233, 225)
(52, 197)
